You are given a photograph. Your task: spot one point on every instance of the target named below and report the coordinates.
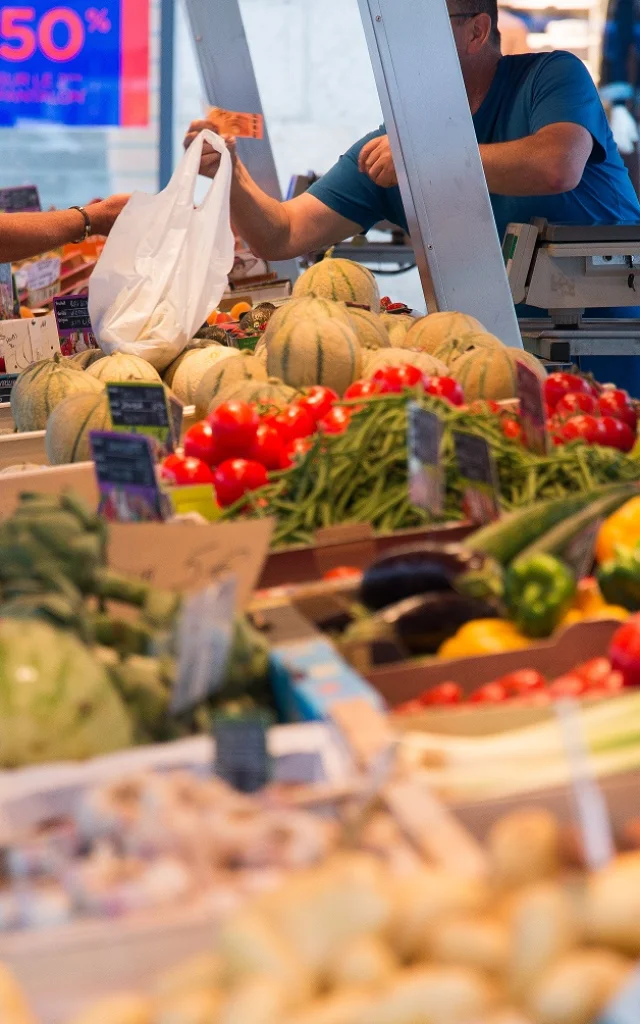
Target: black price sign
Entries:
(479, 477)
(7, 380)
(141, 408)
(242, 757)
(125, 468)
(426, 479)
(20, 199)
(72, 314)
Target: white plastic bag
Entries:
(165, 265)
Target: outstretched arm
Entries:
(23, 235)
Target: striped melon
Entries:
(122, 367)
(67, 436)
(261, 352)
(81, 360)
(304, 309)
(42, 386)
(184, 374)
(430, 333)
(450, 351)
(369, 328)
(491, 373)
(271, 392)
(307, 352)
(397, 326)
(404, 357)
(223, 377)
(340, 280)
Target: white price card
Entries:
(204, 641)
(44, 337)
(15, 345)
(43, 273)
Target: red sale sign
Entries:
(77, 63)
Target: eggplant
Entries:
(422, 624)
(416, 569)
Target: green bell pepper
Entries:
(619, 579)
(539, 590)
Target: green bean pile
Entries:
(361, 476)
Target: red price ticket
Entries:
(243, 126)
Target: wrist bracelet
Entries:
(87, 225)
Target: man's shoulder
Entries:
(553, 61)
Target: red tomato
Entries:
(557, 385)
(443, 694)
(410, 707)
(318, 401)
(617, 434)
(585, 428)
(267, 447)
(611, 684)
(491, 693)
(343, 572)
(625, 651)
(447, 388)
(523, 681)
(293, 422)
(617, 403)
(200, 443)
(511, 429)
(336, 422)
(594, 671)
(294, 450)
(362, 389)
(224, 318)
(393, 380)
(569, 685)
(234, 426)
(180, 470)
(573, 403)
(233, 478)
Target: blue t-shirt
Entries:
(529, 92)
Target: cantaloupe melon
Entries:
(370, 329)
(184, 374)
(319, 351)
(491, 373)
(449, 351)
(42, 386)
(397, 326)
(309, 308)
(403, 357)
(71, 422)
(271, 392)
(81, 360)
(430, 333)
(121, 367)
(223, 377)
(340, 280)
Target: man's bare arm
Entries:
(549, 162)
(23, 235)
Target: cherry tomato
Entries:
(617, 403)
(200, 443)
(617, 434)
(293, 422)
(447, 388)
(491, 693)
(483, 406)
(181, 470)
(410, 707)
(523, 681)
(267, 447)
(569, 685)
(318, 401)
(393, 380)
(443, 694)
(609, 686)
(336, 421)
(594, 671)
(234, 426)
(294, 450)
(585, 428)
(235, 477)
(511, 429)
(574, 403)
(362, 389)
(625, 651)
(557, 385)
(343, 572)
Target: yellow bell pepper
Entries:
(622, 529)
(483, 636)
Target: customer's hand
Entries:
(105, 213)
(376, 160)
(210, 157)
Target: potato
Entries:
(524, 847)
(612, 907)
(469, 941)
(424, 897)
(13, 1007)
(120, 1009)
(260, 1000)
(249, 945)
(543, 927)
(345, 1007)
(433, 995)
(199, 972)
(364, 961)
(578, 987)
(200, 1006)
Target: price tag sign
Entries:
(138, 407)
(242, 755)
(533, 410)
(20, 199)
(15, 345)
(479, 477)
(205, 636)
(7, 293)
(74, 323)
(126, 472)
(426, 478)
(7, 380)
(43, 273)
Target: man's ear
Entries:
(479, 34)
